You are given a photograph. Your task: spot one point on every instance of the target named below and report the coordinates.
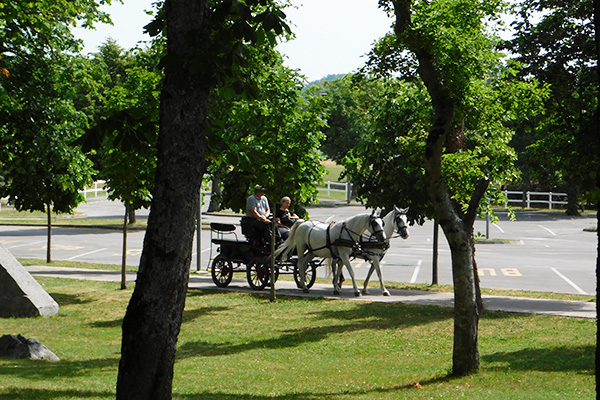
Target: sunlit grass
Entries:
(241, 346)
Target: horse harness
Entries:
(368, 247)
(356, 245)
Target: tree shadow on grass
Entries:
(558, 359)
(188, 316)
(48, 370)
(48, 394)
(64, 299)
(401, 391)
(362, 316)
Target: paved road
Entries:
(285, 288)
(539, 251)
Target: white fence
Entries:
(98, 187)
(528, 198)
(340, 187)
(546, 199)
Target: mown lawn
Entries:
(241, 346)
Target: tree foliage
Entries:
(270, 139)
(554, 43)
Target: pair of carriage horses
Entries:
(364, 235)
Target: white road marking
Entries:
(581, 291)
(415, 274)
(26, 244)
(543, 227)
(500, 229)
(86, 254)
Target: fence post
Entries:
(348, 192)
(550, 200)
(528, 199)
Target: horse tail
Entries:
(288, 245)
(329, 271)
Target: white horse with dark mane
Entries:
(373, 250)
(336, 240)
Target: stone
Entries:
(20, 294)
(18, 346)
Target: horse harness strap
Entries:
(338, 242)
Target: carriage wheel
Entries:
(258, 273)
(310, 275)
(221, 271)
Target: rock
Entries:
(20, 294)
(18, 346)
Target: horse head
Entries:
(376, 225)
(401, 222)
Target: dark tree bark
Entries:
(154, 315)
(457, 226)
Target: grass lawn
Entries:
(241, 346)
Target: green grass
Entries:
(241, 346)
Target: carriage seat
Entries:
(253, 233)
(221, 230)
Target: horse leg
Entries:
(337, 270)
(366, 285)
(346, 262)
(377, 267)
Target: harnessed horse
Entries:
(373, 252)
(316, 239)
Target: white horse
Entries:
(335, 240)
(395, 219)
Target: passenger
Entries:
(257, 207)
(285, 218)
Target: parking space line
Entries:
(581, 291)
(543, 227)
(500, 229)
(86, 254)
(26, 244)
(415, 274)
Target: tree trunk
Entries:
(572, 201)
(215, 194)
(131, 215)
(154, 315)
(49, 236)
(457, 228)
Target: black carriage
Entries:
(252, 256)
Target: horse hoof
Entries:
(336, 292)
(357, 294)
(365, 292)
(305, 290)
(386, 293)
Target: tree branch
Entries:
(478, 194)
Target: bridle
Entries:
(401, 229)
(377, 229)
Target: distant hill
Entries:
(330, 77)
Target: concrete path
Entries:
(577, 309)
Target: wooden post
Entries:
(434, 275)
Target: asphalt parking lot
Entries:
(539, 251)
